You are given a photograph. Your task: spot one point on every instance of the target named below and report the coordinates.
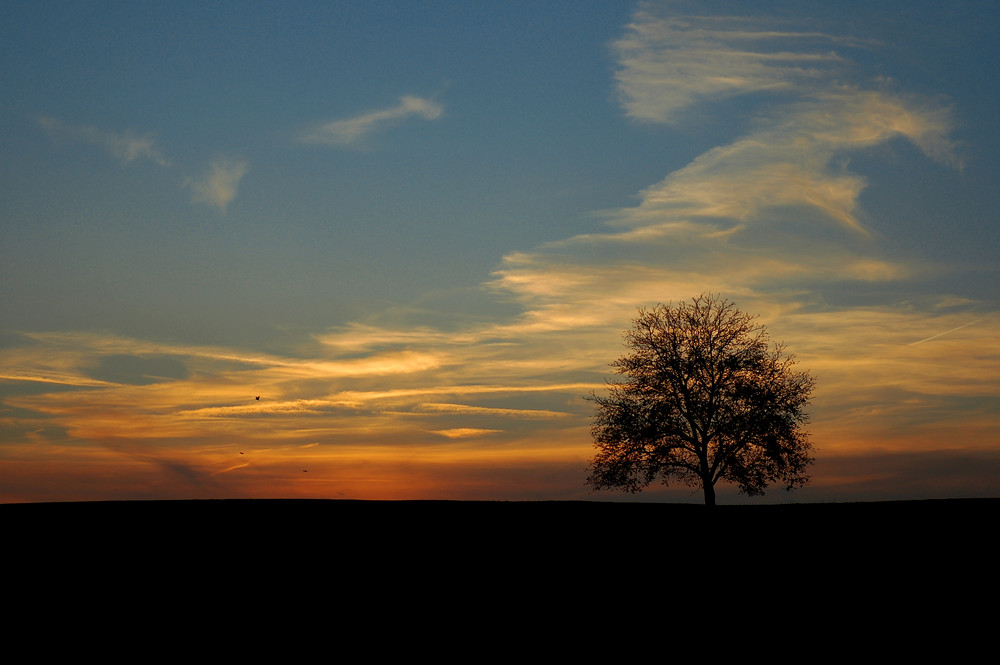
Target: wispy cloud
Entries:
(349, 131)
(529, 414)
(125, 146)
(464, 432)
(743, 217)
(668, 63)
(217, 186)
(795, 160)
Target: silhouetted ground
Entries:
(583, 557)
(593, 525)
(425, 575)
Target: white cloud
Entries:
(793, 160)
(218, 185)
(669, 63)
(125, 146)
(349, 131)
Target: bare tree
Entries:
(705, 399)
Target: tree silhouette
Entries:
(706, 398)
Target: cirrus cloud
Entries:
(668, 63)
(124, 146)
(349, 131)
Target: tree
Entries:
(705, 399)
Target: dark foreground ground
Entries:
(212, 558)
(579, 525)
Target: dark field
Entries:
(363, 556)
(571, 525)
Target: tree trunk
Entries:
(709, 493)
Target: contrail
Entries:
(944, 333)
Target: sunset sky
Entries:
(417, 230)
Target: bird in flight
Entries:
(258, 398)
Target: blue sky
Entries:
(418, 229)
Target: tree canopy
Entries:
(705, 398)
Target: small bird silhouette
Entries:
(258, 398)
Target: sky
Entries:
(416, 232)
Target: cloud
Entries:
(464, 432)
(350, 131)
(529, 414)
(217, 186)
(795, 159)
(125, 146)
(668, 63)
